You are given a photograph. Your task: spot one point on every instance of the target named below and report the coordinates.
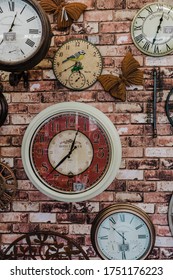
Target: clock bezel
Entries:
(115, 149)
(118, 208)
(170, 214)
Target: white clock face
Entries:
(20, 30)
(123, 236)
(152, 29)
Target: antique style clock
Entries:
(71, 151)
(25, 34)
(3, 108)
(122, 231)
(152, 29)
(8, 185)
(170, 215)
(77, 64)
(169, 106)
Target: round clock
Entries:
(169, 106)
(77, 64)
(122, 231)
(8, 185)
(170, 215)
(71, 151)
(152, 29)
(25, 34)
(3, 109)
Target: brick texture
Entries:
(145, 178)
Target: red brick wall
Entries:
(146, 175)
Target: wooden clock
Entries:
(71, 151)
(122, 232)
(25, 34)
(77, 64)
(152, 29)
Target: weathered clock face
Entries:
(77, 64)
(71, 151)
(152, 29)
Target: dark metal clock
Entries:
(3, 107)
(169, 106)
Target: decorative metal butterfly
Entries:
(116, 86)
(66, 12)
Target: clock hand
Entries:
(62, 160)
(122, 235)
(158, 28)
(11, 27)
(74, 140)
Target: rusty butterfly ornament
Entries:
(66, 12)
(131, 75)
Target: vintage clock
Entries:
(25, 34)
(169, 106)
(77, 64)
(8, 185)
(170, 215)
(71, 151)
(3, 108)
(152, 29)
(122, 231)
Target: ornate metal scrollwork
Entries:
(43, 246)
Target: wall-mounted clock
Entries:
(25, 34)
(77, 64)
(152, 29)
(170, 215)
(8, 185)
(3, 108)
(169, 106)
(71, 151)
(122, 231)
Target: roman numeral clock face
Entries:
(24, 34)
(122, 232)
(152, 29)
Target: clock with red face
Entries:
(71, 151)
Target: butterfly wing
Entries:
(49, 6)
(108, 81)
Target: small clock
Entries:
(152, 29)
(25, 34)
(3, 108)
(170, 215)
(71, 151)
(122, 232)
(169, 106)
(77, 64)
(8, 185)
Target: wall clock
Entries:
(169, 106)
(71, 151)
(170, 215)
(77, 64)
(122, 231)
(25, 34)
(152, 29)
(3, 108)
(8, 185)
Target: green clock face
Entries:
(152, 29)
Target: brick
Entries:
(127, 197)
(164, 241)
(98, 15)
(130, 175)
(25, 206)
(143, 164)
(114, 27)
(131, 152)
(164, 175)
(156, 197)
(130, 129)
(79, 229)
(165, 186)
(159, 152)
(109, 4)
(141, 186)
(42, 217)
(13, 217)
(162, 230)
(166, 253)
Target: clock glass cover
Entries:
(152, 29)
(71, 151)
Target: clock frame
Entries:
(71, 151)
(170, 214)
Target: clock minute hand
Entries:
(74, 140)
(11, 27)
(158, 28)
(119, 234)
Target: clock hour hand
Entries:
(74, 140)
(122, 235)
(11, 27)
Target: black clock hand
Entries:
(123, 252)
(72, 145)
(158, 28)
(11, 27)
(119, 234)
(62, 160)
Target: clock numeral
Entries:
(30, 43)
(122, 217)
(23, 9)
(140, 17)
(146, 46)
(156, 49)
(142, 236)
(139, 27)
(44, 167)
(103, 237)
(31, 19)
(33, 31)
(101, 153)
(54, 127)
(138, 227)
(1, 10)
(149, 10)
(11, 5)
(70, 122)
(96, 168)
(96, 138)
(77, 43)
(139, 38)
(112, 220)
(160, 8)
(167, 47)
(39, 153)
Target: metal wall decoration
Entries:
(8, 185)
(169, 106)
(3, 106)
(44, 246)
